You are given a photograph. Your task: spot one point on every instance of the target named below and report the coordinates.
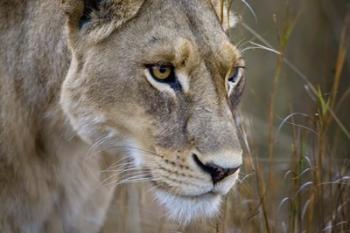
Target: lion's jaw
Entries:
(184, 209)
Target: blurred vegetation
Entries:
(296, 115)
(297, 103)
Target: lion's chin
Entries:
(183, 209)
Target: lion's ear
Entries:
(90, 7)
(224, 13)
(99, 18)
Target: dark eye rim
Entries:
(172, 80)
(234, 77)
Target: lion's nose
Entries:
(216, 172)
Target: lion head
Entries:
(159, 81)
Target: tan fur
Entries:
(73, 99)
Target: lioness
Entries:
(85, 82)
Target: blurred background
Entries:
(295, 122)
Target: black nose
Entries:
(217, 173)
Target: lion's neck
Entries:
(32, 69)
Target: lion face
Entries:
(161, 88)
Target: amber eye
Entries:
(161, 72)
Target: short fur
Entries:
(74, 98)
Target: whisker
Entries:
(121, 173)
(117, 167)
(250, 8)
(245, 177)
(259, 46)
(133, 181)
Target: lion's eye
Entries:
(162, 73)
(233, 78)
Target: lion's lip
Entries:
(205, 195)
(209, 194)
(215, 191)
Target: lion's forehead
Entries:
(166, 21)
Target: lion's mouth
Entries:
(206, 194)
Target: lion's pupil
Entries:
(234, 77)
(162, 69)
